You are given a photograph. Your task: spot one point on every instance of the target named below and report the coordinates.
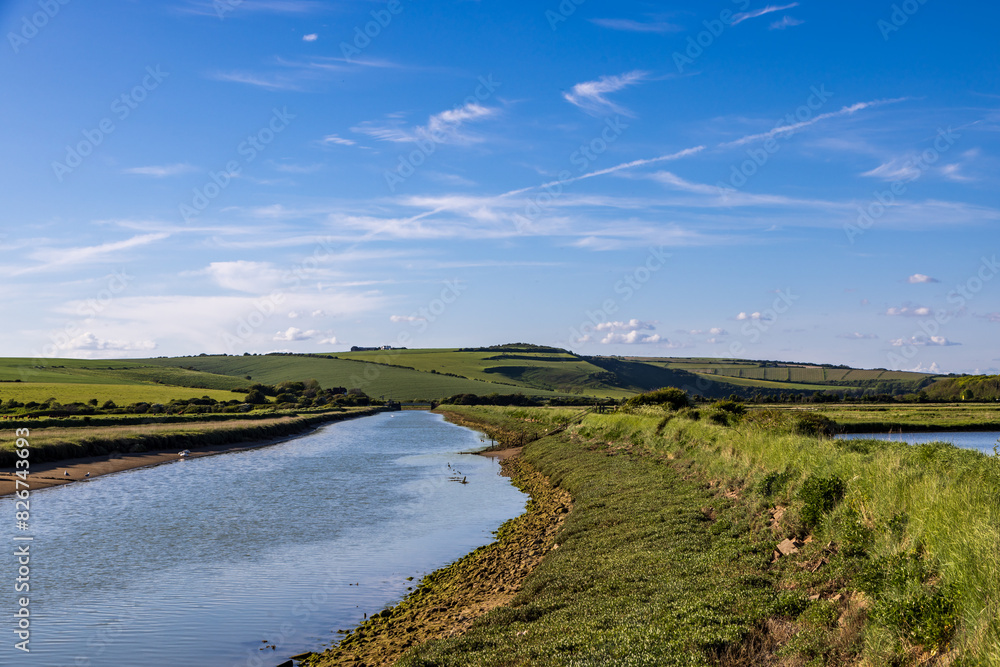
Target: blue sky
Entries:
(799, 181)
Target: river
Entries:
(209, 561)
(983, 441)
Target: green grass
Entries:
(373, 378)
(641, 577)
(121, 394)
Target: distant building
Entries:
(375, 349)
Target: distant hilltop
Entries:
(355, 348)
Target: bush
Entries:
(811, 423)
(732, 407)
(820, 495)
(671, 397)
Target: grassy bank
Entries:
(58, 444)
(669, 556)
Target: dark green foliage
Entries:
(812, 423)
(669, 397)
(820, 495)
(731, 407)
(910, 599)
(773, 482)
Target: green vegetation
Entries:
(856, 418)
(666, 556)
(120, 394)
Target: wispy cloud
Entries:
(929, 341)
(858, 336)
(795, 127)
(785, 22)
(746, 16)
(909, 311)
(57, 259)
(268, 82)
(444, 127)
(310, 37)
(334, 140)
(160, 171)
(591, 95)
(206, 8)
(629, 25)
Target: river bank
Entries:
(157, 444)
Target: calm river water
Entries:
(205, 562)
(981, 440)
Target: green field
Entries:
(120, 394)
(374, 379)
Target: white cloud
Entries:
(751, 316)
(785, 22)
(161, 171)
(909, 311)
(918, 278)
(244, 276)
(318, 313)
(64, 258)
(441, 128)
(920, 368)
(745, 16)
(902, 169)
(294, 334)
(332, 340)
(334, 140)
(90, 342)
(629, 25)
(630, 338)
(406, 318)
(590, 95)
(921, 340)
(858, 336)
(716, 331)
(310, 38)
(625, 326)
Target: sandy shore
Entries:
(44, 475)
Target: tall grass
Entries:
(935, 499)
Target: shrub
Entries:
(820, 495)
(671, 397)
(811, 423)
